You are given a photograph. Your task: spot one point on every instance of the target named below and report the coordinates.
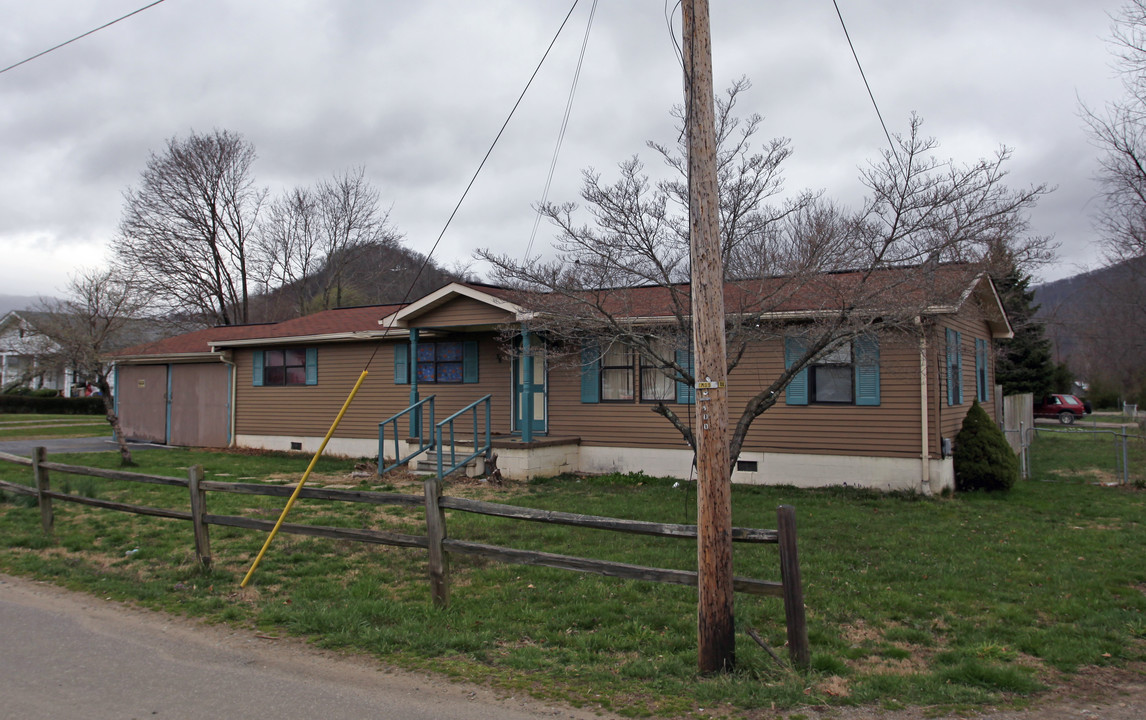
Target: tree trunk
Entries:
(113, 419)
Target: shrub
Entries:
(51, 405)
(983, 459)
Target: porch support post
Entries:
(415, 418)
(526, 388)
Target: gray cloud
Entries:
(416, 91)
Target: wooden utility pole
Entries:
(716, 641)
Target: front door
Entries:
(538, 394)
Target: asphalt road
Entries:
(60, 445)
(68, 655)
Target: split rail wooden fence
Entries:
(435, 541)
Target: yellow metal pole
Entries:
(301, 482)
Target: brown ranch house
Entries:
(279, 386)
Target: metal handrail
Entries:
(479, 448)
(416, 426)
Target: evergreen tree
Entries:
(1024, 362)
(983, 459)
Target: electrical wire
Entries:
(669, 14)
(561, 133)
(863, 75)
(80, 37)
(473, 179)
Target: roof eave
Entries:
(140, 359)
(357, 335)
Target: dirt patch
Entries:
(834, 686)
(1092, 694)
(860, 633)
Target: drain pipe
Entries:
(924, 405)
(232, 377)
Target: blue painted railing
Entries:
(418, 427)
(481, 447)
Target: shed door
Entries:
(142, 402)
(200, 397)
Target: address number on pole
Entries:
(709, 384)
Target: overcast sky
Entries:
(416, 91)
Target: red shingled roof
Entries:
(943, 285)
(327, 322)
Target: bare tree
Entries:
(927, 228)
(313, 243)
(99, 316)
(287, 247)
(187, 228)
(1111, 317)
(1119, 132)
(351, 220)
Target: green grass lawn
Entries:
(947, 602)
(19, 426)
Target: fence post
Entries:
(43, 485)
(198, 511)
(1125, 467)
(1026, 437)
(435, 533)
(793, 588)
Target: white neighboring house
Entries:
(22, 352)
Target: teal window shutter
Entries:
(685, 393)
(257, 368)
(959, 364)
(986, 370)
(950, 364)
(797, 391)
(979, 370)
(402, 364)
(590, 374)
(312, 366)
(867, 370)
(470, 361)
(954, 368)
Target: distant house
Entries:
(24, 355)
(896, 401)
(30, 359)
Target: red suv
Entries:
(1064, 407)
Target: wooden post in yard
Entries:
(198, 511)
(43, 485)
(716, 638)
(793, 588)
(435, 533)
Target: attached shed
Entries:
(178, 391)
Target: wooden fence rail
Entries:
(435, 541)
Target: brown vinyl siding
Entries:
(460, 312)
(971, 324)
(890, 429)
(308, 411)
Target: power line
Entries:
(871, 95)
(80, 37)
(561, 134)
(669, 14)
(473, 179)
